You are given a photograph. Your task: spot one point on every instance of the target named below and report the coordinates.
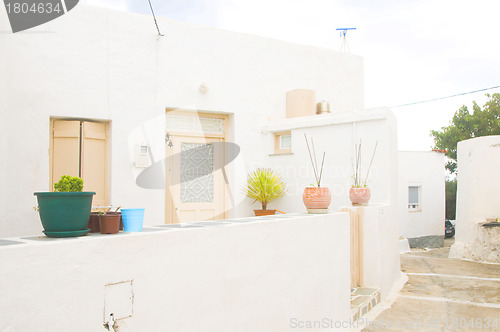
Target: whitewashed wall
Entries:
(3, 130)
(96, 63)
(255, 276)
(478, 199)
(336, 135)
(424, 169)
(381, 262)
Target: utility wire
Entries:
(459, 94)
(154, 17)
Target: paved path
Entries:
(443, 294)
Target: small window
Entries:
(414, 198)
(286, 142)
(283, 143)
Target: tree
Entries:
(482, 122)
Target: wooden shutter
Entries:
(79, 148)
(95, 160)
(65, 150)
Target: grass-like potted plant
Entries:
(317, 199)
(66, 211)
(359, 194)
(264, 185)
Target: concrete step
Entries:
(363, 299)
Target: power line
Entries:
(459, 94)
(154, 17)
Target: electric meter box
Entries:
(141, 157)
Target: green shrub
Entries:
(69, 183)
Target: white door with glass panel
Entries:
(195, 182)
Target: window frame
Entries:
(278, 148)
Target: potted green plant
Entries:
(65, 212)
(317, 199)
(264, 185)
(359, 194)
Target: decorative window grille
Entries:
(197, 183)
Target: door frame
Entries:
(169, 201)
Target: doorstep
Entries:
(363, 300)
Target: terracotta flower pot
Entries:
(259, 213)
(94, 222)
(317, 200)
(359, 196)
(121, 219)
(110, 223)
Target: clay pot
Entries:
(317, 199)
(110, 223)
(121, 219)
(359, 196)
(94, 222)
(259, 213)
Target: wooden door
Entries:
(195, 183)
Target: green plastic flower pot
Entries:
(65, 214)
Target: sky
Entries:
(413, 50)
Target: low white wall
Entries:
(382, 268)
(424, 169)
(255, 276)
(478, 198)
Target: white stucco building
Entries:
(422, 197)
(98, 93)
(110, 72)
(478, 200)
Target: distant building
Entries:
(422, 198)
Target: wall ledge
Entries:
(30, 240)
(327, 119)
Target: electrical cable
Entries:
(154, 17)
(435, 99)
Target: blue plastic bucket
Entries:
(132, 219)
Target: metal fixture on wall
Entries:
(203, 87)
(322, 107)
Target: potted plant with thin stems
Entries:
(65, 212)
(359, 194)
(264, 185)
(317, 199)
